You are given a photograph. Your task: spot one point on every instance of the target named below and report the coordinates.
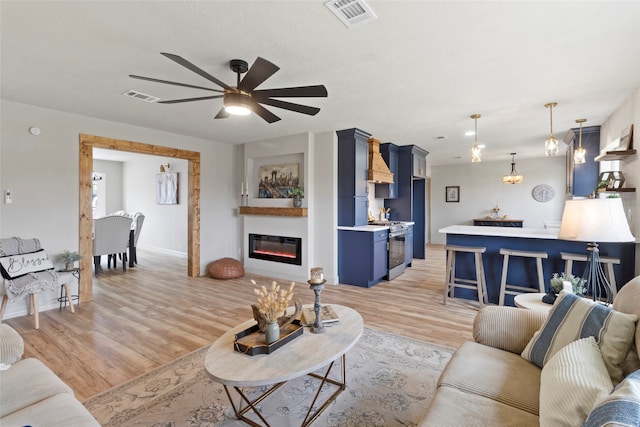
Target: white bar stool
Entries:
(478, 284)
(506, 288)
(606, 260)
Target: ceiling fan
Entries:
(242, 99)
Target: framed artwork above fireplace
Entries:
(276, 181)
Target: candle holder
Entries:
(318, 326)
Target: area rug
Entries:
(390, 381)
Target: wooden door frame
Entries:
(87, 144)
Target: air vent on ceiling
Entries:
(141, 96)
(351, 12)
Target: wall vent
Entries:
(351, 12)
(141, 96)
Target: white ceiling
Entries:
(418, 71)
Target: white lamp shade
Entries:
(595, 220)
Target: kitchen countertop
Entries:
(372, 228)
(525, 232)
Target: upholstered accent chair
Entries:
(110, 236)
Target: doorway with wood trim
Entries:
(87, 144)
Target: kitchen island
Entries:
(523, 271)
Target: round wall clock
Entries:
(543, 192)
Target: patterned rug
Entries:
(390, 381)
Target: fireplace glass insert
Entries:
(283, 249)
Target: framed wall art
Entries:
(167, 188)
(626, 140)
(276, 181)
(452, 194)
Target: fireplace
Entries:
(283, 249)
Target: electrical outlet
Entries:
(8, 197)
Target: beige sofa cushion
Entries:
(495, 374)
(571, 383)
(506, 328)
(60, 410)
(28, 382)
(451, 407)
(11, 346)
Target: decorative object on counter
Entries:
(626, 141)
(614, 180)
(496, 213)
(69, 258)
(595, 221)
(567, 282)
(318, 326)
(370, 218)
(475, 150)
(543, 193)
(270, 312)
(580, 155)
(317, 275)
(385, 214)
(514, 177)
(551, 145)
(452, 194)
(297, 193)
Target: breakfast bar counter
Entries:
(526, 239)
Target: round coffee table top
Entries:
(532, 301)
(304, 354)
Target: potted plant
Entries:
(556, 282)
(69, 258)
(297, 193)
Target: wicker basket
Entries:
(226, 268)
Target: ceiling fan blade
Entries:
(293, 92)
(222, 114)
(267, 115)
(298, 108)
(260, 71)
(180, 60)
(151, 79)
(177, 101)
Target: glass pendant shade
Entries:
(237, 103)
(580, 155)
(551, 145)
(514, 177)
(475, 150)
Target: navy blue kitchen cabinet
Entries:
(363, 260)
(389, 153)
(410, 203)
(353, 168)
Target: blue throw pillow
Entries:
(621, 407)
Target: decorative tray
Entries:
(251, 340)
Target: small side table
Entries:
(532, 301)
(75, 272)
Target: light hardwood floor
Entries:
(154, 313)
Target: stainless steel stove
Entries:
(396, 245)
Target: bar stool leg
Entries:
(540, 275)
(611, 278)
(450, 275)
(479, 280)
(568, 266)
(503, 281)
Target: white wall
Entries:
(112, 181)
(628, 113)
(481, 188)
(43, 172)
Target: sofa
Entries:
(503, 379)
(31, 394)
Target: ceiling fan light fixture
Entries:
(551, 145)
(514, 177)
(237, 103)
(580, 155)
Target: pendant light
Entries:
(514, 177)
(475, 150)
(551, 145)
(579, 156)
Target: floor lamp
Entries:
(595, 221)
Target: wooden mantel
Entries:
(257, 210)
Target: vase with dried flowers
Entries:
(270, 312)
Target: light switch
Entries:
(8, 197)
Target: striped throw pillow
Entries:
(572, 318)
(571, 382)
(621, 407)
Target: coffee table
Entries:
(304, 355)
(532, 301)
